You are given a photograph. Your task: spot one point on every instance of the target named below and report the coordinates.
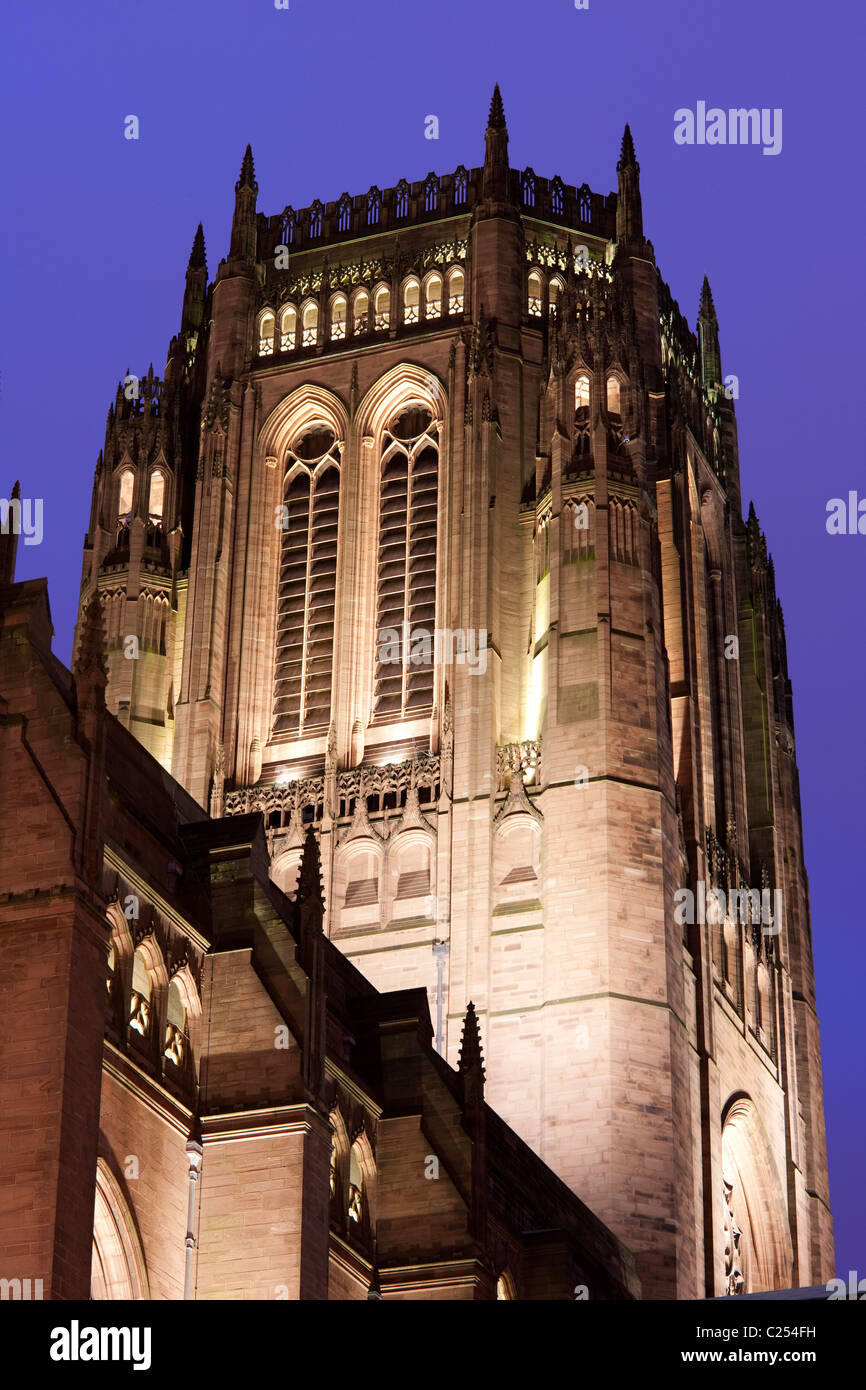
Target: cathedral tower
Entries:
(454, 559)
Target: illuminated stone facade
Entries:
(445, 558)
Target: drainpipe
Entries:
(195, 1154)
(440, 951)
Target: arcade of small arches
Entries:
(352, 1183)
(543, 293)
(157, 1011)
(365, 312)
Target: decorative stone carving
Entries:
(518, 757)
(734, 1280)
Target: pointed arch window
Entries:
(355, 1210)
(360, 312)
(614, 414)
(308, 579)
(124, 495)
(411, 298)
(267, 328)
(288, 328)
(382, 302)
(535, 294)
(339, 310)
(433, 296)
(311, 324)
(175, 1027)
(406, 592)
(456, 283)
(156, 498)
(140, 1000)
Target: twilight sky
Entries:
(333, 96)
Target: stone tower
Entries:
(140, 512)
(456, 573)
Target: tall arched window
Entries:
(411, 299)
(288, 328)
(406, 593)
(382, 304)
(175, 1027)
(554, 290)
(338, 317)
(613, 396)
(456, 283)
(360, 312)
(308, 577)
(433, 296)
(156, 498)
(267, 328)
(310, 324)
(581, 392)
(125, 492)
(140, 1000)
(535, 293)
(355, 1209)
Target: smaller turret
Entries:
(243, 241)
(196, 285)
(629, 215)
(708, 338)
(494, 186)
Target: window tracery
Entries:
(406, 592)
(307, 592)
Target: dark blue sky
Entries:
(333, 97)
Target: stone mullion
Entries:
(241, 720)
(305, 626)
(365, 596)
(442, 591)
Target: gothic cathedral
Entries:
(428, 549)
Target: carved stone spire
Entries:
(243, 241)
(192, 313)
(197, 256)
(496, 118)
(708, 337)
(471, 1063)
(248, 172)
(219, 777)
(629, 217)
(90, 669)
(494, 185)
(310, 876)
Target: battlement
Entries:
(431, 200)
